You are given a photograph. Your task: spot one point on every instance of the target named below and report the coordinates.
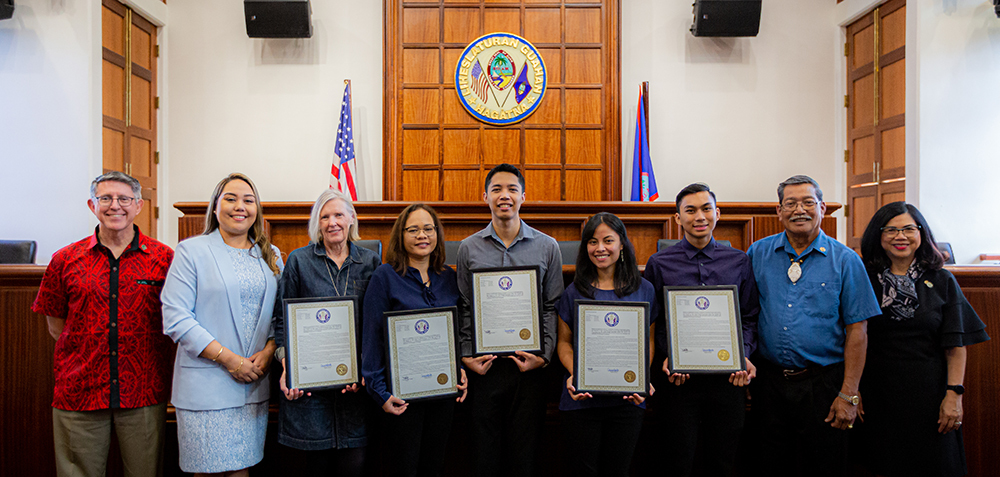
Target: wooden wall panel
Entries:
(27, 380)
(574, 131)
(876, 109)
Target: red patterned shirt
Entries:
(112, 352)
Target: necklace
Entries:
(326, 261)
(795, 270)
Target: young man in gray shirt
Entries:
(506, 394)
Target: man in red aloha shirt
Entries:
(101, 299)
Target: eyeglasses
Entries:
(123, 200)
(415, 231)
(791, 205)
(908, 230)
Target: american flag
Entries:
(344, 165)
(480, 81)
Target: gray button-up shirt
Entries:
(484, 249)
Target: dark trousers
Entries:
(701, 422)
(601, 440)
(339, 462)
(794, 440)
(508, 410)
(416, 441)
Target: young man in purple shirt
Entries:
(701, 417)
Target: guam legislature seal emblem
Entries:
(500, 78)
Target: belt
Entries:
(799, 374)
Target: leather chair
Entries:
(451, 252)
(373, 245)
(569, 250)
(949, 254)
(17, 251)
(664, 243)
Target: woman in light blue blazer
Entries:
(218, 301)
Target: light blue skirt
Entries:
(221, 440)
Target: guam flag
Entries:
(643, 181)
(521, 86)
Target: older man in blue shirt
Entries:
(701, 417)
(815, 299)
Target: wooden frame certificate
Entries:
(704, 330)
(507, 310)
(611, 347)
(323, 349)
(422, 353)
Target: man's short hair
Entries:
(694, 189)
(504, 168)
(117, 176)
(799, 179)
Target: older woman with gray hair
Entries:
(324, 431)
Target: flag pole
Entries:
(645, 101)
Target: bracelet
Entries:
(216, 358)
(238, 367)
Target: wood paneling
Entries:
(128, 102)
(577, 121)
(876, 111)
(26, 400)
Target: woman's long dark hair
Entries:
(627, 278)
(874, 256)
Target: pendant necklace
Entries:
(329, 273)
(795, 270)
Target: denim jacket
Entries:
(327, 419)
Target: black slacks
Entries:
(416, 442)
(600, 441)
(508, 410)
(701, 422)
(794, 440)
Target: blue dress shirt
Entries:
(804, 323)
(684, 265)
(388, 291)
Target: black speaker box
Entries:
(6, 9)
(726, 18)
(278, 18)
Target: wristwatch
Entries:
(958, 388)
(854, 400)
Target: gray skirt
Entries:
(221, 440)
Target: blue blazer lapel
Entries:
(228, 274)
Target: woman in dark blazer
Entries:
(911, 390)
(217, 304)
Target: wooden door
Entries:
(129, 102)
(568, 148)
(876, 113)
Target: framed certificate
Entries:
(323, 349)
(422, 353)
(704, 330)
(611, 347)
(506, 310)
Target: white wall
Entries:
(741, 114)
(50, 130)
(269, 108)
(959, 122)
